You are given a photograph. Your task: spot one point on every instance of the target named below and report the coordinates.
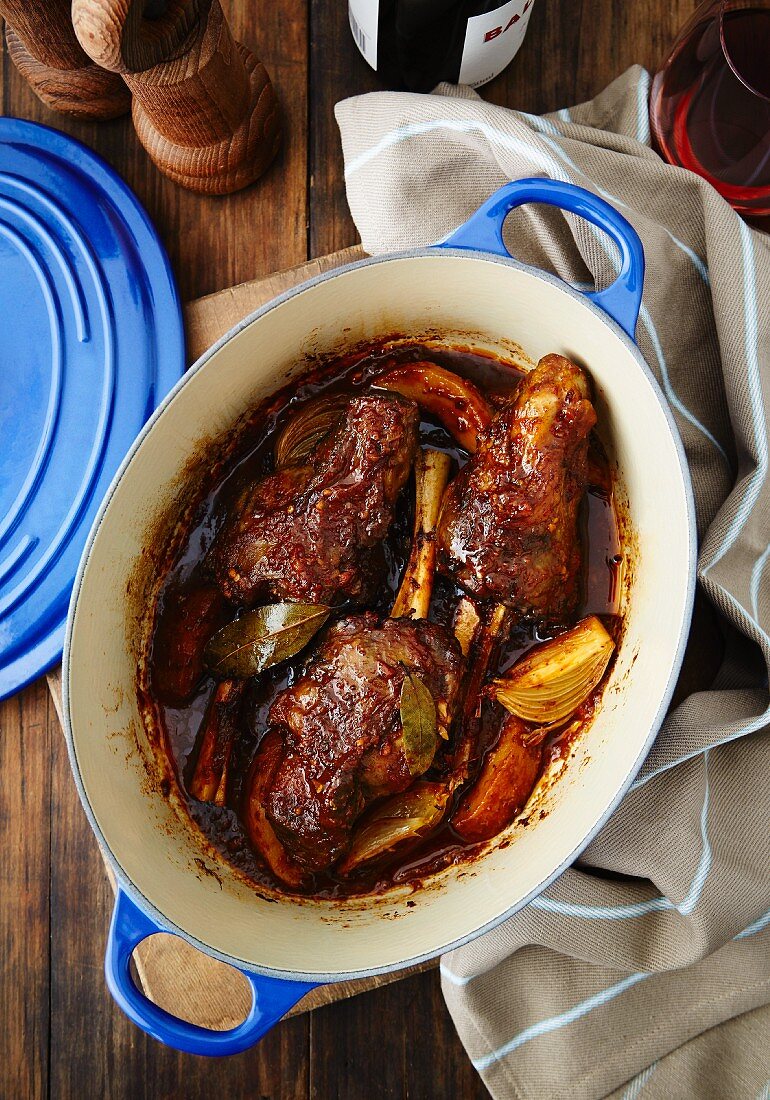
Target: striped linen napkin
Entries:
(644, 970)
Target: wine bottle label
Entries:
(364, 19)
(492, 41)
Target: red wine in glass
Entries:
(710, 105)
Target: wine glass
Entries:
(710, 104)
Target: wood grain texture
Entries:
(336, 70)
(212, 242)
(27, 736)
(209, 318)
(203, 105)
(397, 1042)
(43, 47)
(126, 36)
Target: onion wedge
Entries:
(310, 424)
(551, 681)
(412, 813)
(454, 401)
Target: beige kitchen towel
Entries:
(644, 970)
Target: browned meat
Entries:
(311, 532)
(188, 618)
(260, 830)
(342, 732)
(508, 529)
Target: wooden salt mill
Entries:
(43, 47)
(203, 105)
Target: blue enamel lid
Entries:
(91, 337)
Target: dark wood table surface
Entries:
(60, 1033)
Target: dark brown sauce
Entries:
(252, 458)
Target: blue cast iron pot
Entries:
(471, 291)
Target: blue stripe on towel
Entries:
(460, 126)
(651, 905)
(507, 141)
(754, 391)
(756, 577)
(643, 114)
(554, 1023)
(636, 1084)
(604, 996)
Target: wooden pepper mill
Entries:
(43, 47)
(203, 105)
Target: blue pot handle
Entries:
(271, 997)
(483, 232)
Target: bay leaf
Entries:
(419, 724)
(263, 637)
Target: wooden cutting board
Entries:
(174, 974)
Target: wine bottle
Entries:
(414, 44)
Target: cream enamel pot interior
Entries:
(467, 288)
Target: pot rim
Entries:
(320, 977)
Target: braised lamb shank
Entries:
(364, 718)
(312, 531)
(342, 731)
(509, 526)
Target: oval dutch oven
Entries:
(467, 287)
